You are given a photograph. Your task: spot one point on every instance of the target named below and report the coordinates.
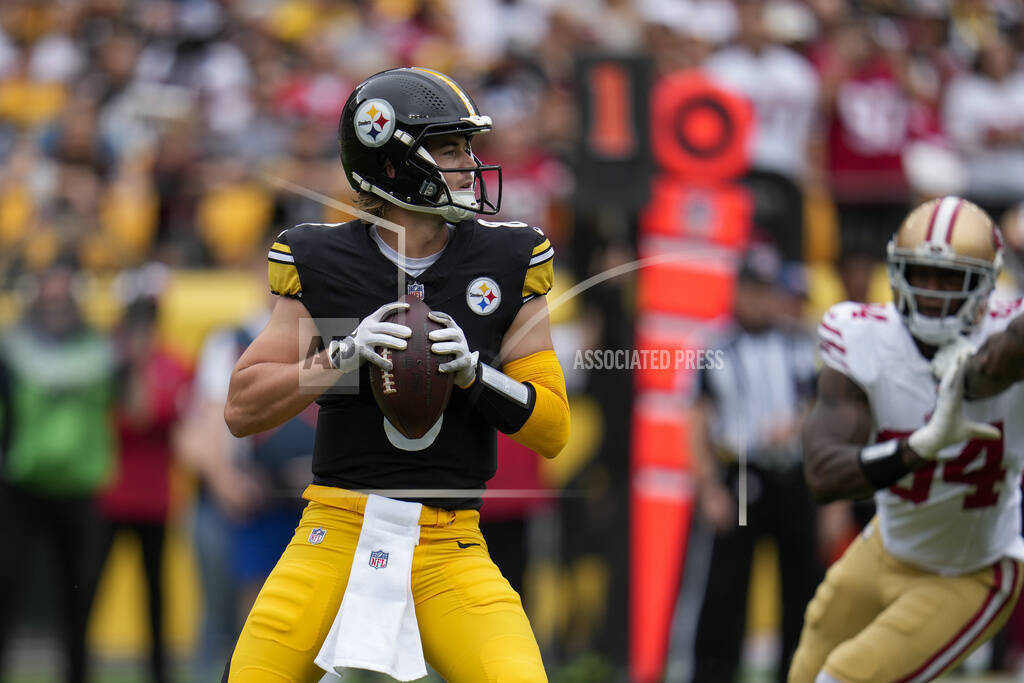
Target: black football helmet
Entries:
(389, 116)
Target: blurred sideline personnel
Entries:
(152, 387)
(61, 454)
(405, 144)
(755, 404)
(246, 508)
(938, 570)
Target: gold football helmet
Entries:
(958, 238)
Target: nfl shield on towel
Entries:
(378, 559)
(317, 535)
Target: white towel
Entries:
(376, 626)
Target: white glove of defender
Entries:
(944, 356)
(349, 353)
(948, 424)
(452, 340)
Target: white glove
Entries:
(349, 353)
(944, 356)
(948, 424)
(452, 340)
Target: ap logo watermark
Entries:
(316, 375)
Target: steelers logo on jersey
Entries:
(374, 122)
(483, 296)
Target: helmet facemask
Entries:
(961, 308)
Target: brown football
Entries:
(414, 393)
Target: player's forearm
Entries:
(997, 364)
(265, 395)
(835, 471)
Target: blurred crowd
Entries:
(145, 130)
(175, 132)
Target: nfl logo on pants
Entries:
(378, 559)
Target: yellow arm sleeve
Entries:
(546, 431)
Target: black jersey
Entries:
(484, 276)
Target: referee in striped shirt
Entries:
(749, 409)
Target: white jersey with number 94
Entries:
(962, 512)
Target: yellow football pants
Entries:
(876, 619)
(471, 622)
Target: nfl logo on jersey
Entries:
(316, 536)
(378, 559)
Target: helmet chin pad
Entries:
(934, 331)
(464, 205)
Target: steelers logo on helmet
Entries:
(374, 122)
(483, 296)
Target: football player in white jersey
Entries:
(909, 411)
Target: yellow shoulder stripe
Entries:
(281, 247)
(284, 278)
(539, 278)
(542, 247)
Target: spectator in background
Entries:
(248, 503)
(76, 140)
(233, 212)
(534, 182)
(793, 296)
(152, 387)
(868, 125)
(856, 268)
(752, 407)
(930, 60)
(226, 491)
(783, 87)
(681, 35)
(179, 187)
(984, 115)
(1012, 225)
(61, 453)
(311, 165)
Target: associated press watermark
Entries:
(316, 376)
(648, 359)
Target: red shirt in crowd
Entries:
(140, 491)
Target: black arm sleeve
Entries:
(499, 409)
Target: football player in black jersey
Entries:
(406, 139)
